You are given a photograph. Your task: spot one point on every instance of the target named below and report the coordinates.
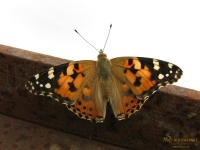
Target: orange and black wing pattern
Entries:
(146, 75)
(63, 83)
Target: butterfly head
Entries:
(101, 54)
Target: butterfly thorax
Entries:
(104, 75)
(103, 66)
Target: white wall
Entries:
(167, 30)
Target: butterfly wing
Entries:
(122, 99)
(89, 106)
(146, 75)
(136, 79)
(73, 84)
(62, 82)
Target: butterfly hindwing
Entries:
(88, 105)
(146, 75)
(122, 99)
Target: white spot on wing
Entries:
(170, 65)
(160, 76)
(42, 93)
(51, 76)
(50, 73)
(166, 82)
(41, 85)
(156, 67)
(159, 84)
(156, 64)
(48, 85)
(56, 99)
(50, 94)
(37, 76)
(167, 75)
(51, 68)
(37, 82)
(155, 61)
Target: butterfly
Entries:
(87, 86)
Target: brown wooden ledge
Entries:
(172, 113)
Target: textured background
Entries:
(171, 112)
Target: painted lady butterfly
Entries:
(86, 86)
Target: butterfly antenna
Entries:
(107, 37)
(85, 40)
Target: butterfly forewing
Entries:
(63, 82)
(146, 75)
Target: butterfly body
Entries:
(87, 86)
(103, 74)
